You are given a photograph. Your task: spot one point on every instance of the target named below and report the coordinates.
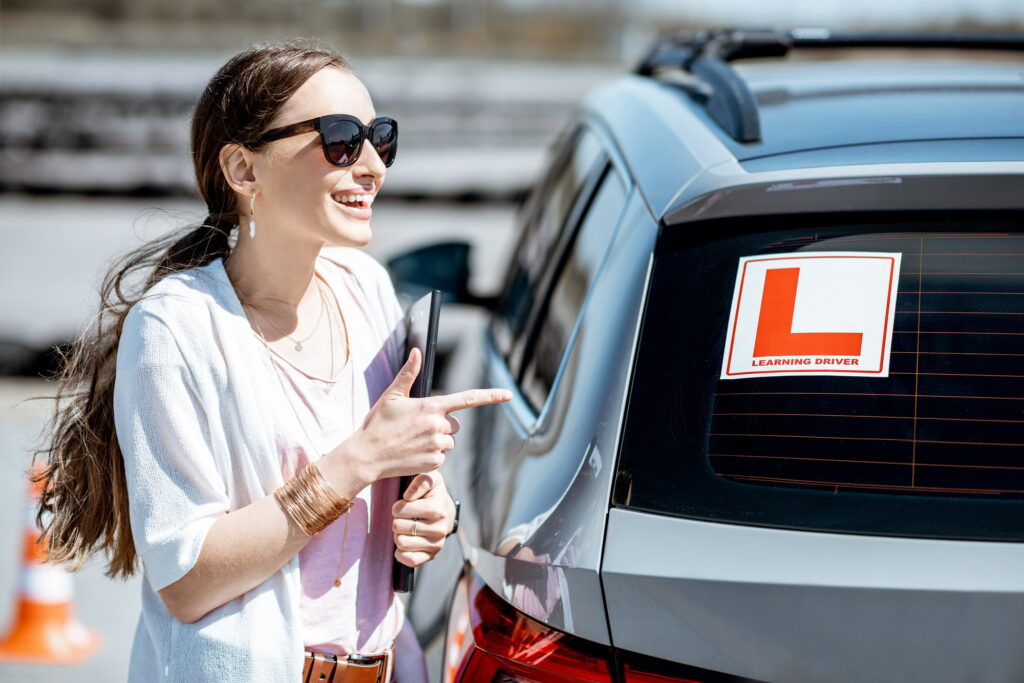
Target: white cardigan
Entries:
(195, 401)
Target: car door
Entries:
(491, 438)
(497, 437)
(548, 502)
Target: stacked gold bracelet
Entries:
(311, 501)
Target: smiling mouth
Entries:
(361, 201)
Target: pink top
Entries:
(362, 615)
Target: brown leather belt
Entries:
(323, 668)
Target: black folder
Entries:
(421, 322)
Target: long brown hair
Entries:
(84, 502)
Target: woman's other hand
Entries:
(422, 520)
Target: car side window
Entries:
(564, 305)
(546, 220)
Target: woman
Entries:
(249, 473)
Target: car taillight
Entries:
(488, 640)
(509, 646)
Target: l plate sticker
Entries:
(818, 313)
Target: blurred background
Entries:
(95, 97)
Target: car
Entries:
(763, 327)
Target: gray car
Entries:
(765, 331)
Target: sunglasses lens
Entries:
(342, 141)
(384, 138)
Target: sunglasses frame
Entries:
(322, 123)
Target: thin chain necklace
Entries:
(299, 342)
(302, 425)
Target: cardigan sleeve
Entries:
(175, 490)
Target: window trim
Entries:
(562, 153)
(540, 311)
(544, 414)
(513, 349)
(524, 346)
(611, 160)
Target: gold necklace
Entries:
(298, 342)
(295, 412)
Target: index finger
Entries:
(471, 398)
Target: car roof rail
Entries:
(705, 55)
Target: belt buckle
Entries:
(375, 665)
(355, 668)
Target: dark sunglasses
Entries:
(342, 136)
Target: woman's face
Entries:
(299, 190)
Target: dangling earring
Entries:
(252, 216)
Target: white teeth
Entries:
(350, 198)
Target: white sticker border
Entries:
(894, 259)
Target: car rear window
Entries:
(863, 378)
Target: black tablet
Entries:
(421, 325)
(421, 322)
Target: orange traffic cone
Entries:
(45, 629)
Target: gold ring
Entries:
(413, 532)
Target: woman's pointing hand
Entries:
(401, 435)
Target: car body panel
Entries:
(545, 504)
(805, 607)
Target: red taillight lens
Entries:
(510, 646)
(490, 641)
